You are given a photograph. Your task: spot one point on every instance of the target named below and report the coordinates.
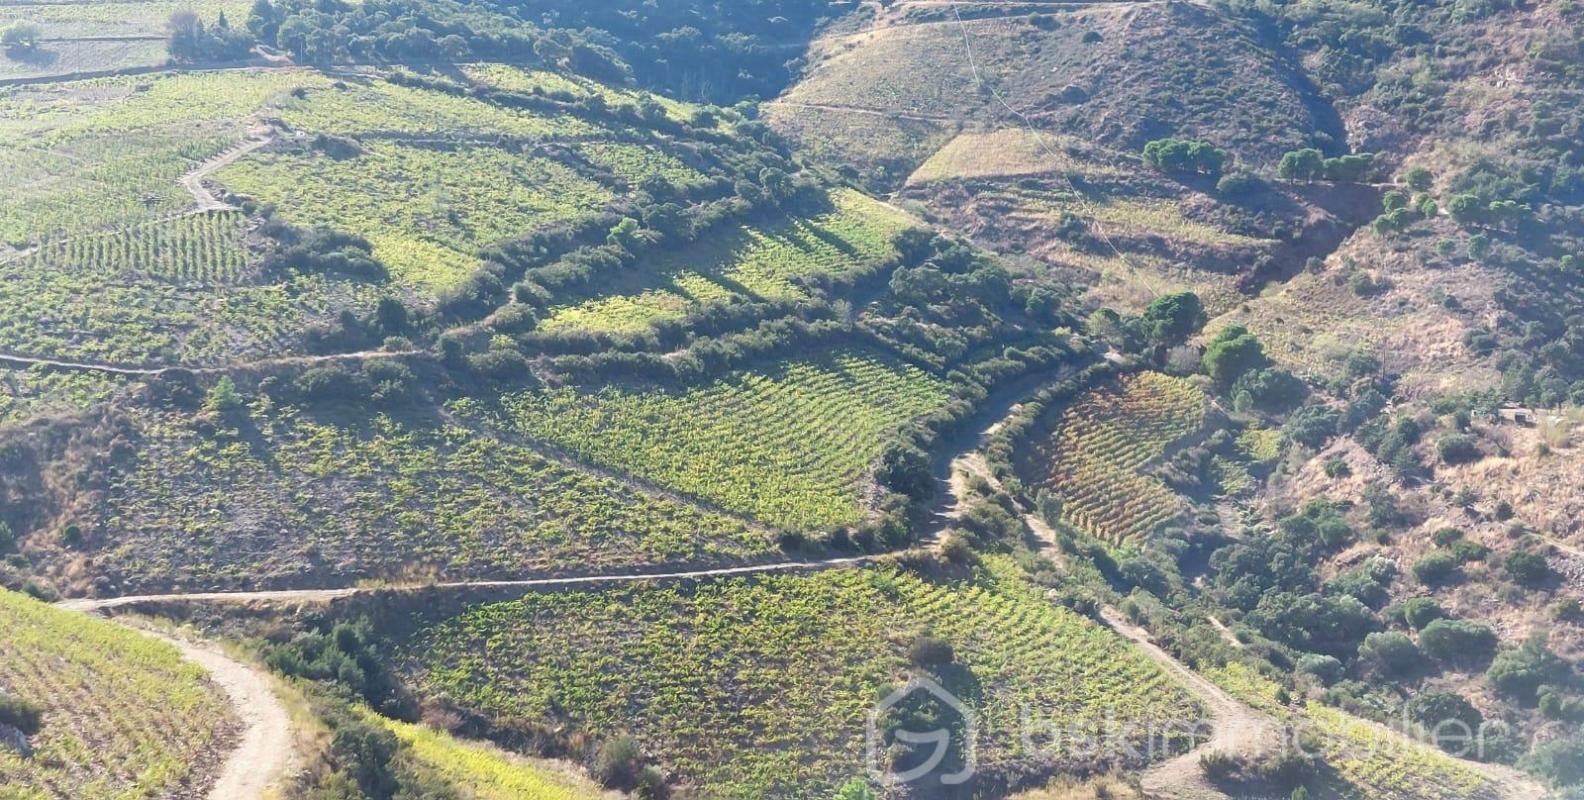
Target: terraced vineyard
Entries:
(177, 291)
(368, 107)
(37, 392)
(761, 687)
(199, 248)
(792, 445)
(1122, 217)
(309, 502)
(124, 716)
(557, 84)
(1092, 460)
(750, 261)
(425, 210)
(103, 154)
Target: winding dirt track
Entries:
(266, 752)
(193, 181)
(1236, 729)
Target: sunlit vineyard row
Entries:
(361, 107)
(124, 716)
(325, 503)
(1093, 458)
(199, 248)
(761, 687)
(791, 445)
(761, 261)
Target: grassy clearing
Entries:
(290, 500)
(1093, 458)
(791, 444)
(761, 687)
(891, 145)
(124, 716)
(426, 211)
(1009, 152)
(179, 291)
(1125, 217)
(367, 106)
(483, 772)
(760, 262)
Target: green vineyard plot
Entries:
(756, 687)
(426, 211)
(303, 502)
(483, 772)
(180, 291)
(364, 107)
(751, 261)
(124, 716)
(1093, 458)
(792, 445)
(92, 155)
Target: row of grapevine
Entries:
(1094, 458)
(791, 445)
(350, 502)
(202, 248)
(759, 260)
(761, 687)
(124, 716)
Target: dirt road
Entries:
(1236, 729)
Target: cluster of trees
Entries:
(1309, 164)
(321, 250)
(1185, 157)
(21, 38)
(718, 51)
(193, 41)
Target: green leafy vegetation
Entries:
(791, 444)
(277, 496)
(1093, 459)
(774, 676)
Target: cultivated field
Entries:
(124, 716)
(791, 444)
(1093, 457)
(755, 686)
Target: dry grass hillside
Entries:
(1114, 74)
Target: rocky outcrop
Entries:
(15, 741)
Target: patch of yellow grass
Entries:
(1006, 153)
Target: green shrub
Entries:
(1457, 448)
(619, 762)
(1457, 641)
(1438, 568)
(1389, 654)
(930, 652)
(21, 714)
(1527, 569)
(1418, 612)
